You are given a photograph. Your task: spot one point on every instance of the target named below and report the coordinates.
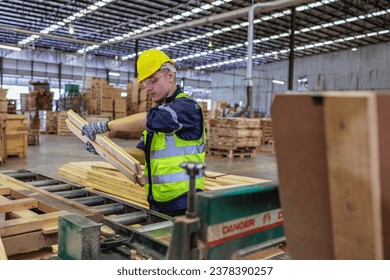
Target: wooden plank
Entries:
(302, 168)
(3, 254)
(18, 213)
(353, 170)
(5, 190)
(383, 103)
(23, 225)
(50, 199)
(108, 150)
(102, 152)
(28, 242)
(18, 204)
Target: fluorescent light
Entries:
(10, 48)
(279, 82)
(116, 74)
(354, 49)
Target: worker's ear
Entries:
(171, 76)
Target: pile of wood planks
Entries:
(233, 137)
(104, 177)
(266, 130)
(29, 219)
(111, 152)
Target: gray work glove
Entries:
(93, 128)
(90, 148)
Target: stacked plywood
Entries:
(17, 135)
(233, 136)
(104, 177)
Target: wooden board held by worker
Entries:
(107, 149)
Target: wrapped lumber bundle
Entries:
(104, 177)
(233, 137)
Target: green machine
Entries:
(225, 224)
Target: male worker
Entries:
(173, 133)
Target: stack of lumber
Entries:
(108, 150)
(43, 99)
(29, 219)
(266, 129)
(138, 100)
(99, 97)
(120, 107)
(11, 106)
(62, 128)
(233, 137)
(51, 122)
(3, 101)
(17, 135)
(25, 102)
(104, 177)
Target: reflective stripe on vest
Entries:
(173, 178)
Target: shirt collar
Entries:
(173, 96)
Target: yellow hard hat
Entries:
(149, 62)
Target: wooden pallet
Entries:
(111, 152)
(29, 219)
(233, 152)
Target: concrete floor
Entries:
(54, 151)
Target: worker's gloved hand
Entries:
(93, 128)
(90, 148)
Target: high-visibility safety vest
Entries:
(167, 179)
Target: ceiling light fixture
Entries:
(279, 82)
(354, 49)
(210, 44)
(10, 48)
(71, 29)
(115, 74)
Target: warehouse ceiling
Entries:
(188, 30)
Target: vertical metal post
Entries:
(59, 77)
(292, 51)
(136, 59)
(193, 169)
(108, 76)
(84, 66)
(1, 71)
(32, 70)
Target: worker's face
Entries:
(159, 85)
